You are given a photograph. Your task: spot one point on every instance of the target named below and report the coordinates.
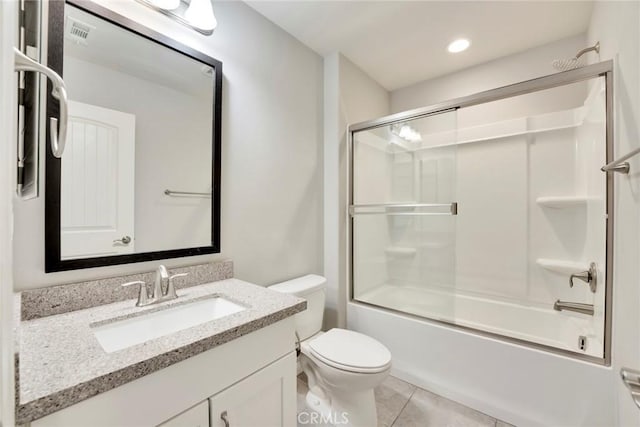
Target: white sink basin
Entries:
(136, 330)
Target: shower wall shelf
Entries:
(559, 202)
(562, 266)
(400, 252)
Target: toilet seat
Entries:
(350, 351)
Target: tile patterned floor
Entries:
(401, 404)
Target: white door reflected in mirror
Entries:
(97, 192)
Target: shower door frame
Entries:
(601, 69)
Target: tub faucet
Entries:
(574, 306)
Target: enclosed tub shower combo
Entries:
(491, 214)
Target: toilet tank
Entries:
(312, 288)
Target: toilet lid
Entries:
(351, 351)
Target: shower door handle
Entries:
(59, 91)
(631, 378)
(409, 209)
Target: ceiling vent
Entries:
(207, 71)
(78, 31)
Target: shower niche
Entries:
(477, 212)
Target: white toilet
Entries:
(343, 367)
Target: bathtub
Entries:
(520, 384)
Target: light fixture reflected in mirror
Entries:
(406, 132)
(195, 14)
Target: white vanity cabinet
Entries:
(266, 398)
(252, 378)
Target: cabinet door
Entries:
(198, 416)
(264, 399)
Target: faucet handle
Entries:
(171, 289)
(590, 277)
(143, 296)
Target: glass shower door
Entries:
(493, 217)
(403, 216)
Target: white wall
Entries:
(350, 96)
(170, 151)
(8, 30)
(271, 154)
(617, 26)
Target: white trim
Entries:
(335, 311)
(8, 32)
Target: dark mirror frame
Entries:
(55, 55)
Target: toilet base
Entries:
(348, 409)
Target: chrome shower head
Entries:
(577, 61)
(568, 64)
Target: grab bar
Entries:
(58, 136)
(185, 193)
(403, 209)
(620, 165)
(573, 306)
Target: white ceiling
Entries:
(399, 43)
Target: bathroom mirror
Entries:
(140, 176)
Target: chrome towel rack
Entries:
(620, 165)
(58, 136)
(186, 193)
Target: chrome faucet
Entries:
(162, 276)
(157, 295)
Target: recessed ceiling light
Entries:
(458, 45)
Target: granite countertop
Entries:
(60, 362)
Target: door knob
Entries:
(125, 240)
